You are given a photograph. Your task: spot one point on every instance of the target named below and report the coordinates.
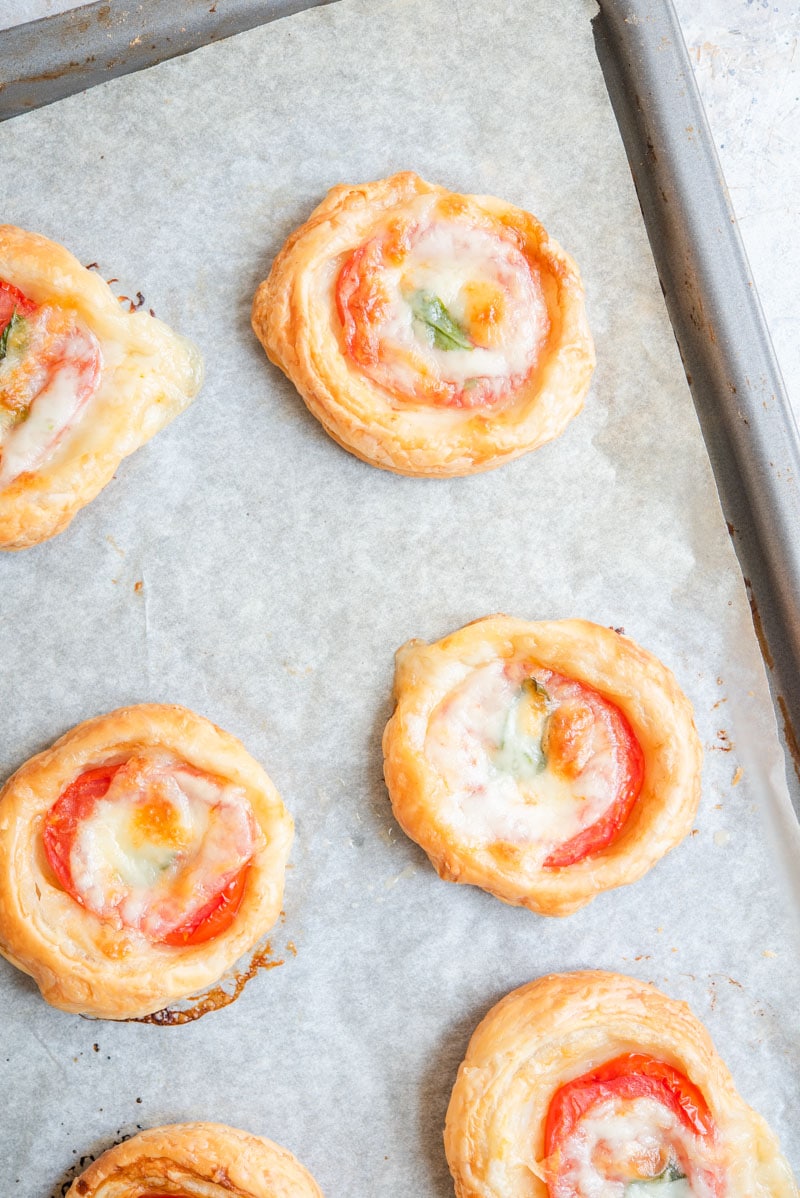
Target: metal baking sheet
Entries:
(44, 60)
(275, 610)
(741, 401)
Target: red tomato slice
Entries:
(62, 824)
(361, 303)
(47, 385)
(630, 1076)
(601, 833)
(65, 816)
(11, 300)
(216, 917)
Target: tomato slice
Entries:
(361, 304)
(13, 300)
(627, 1077)
(53, 373)
(606, 829)
(65, 816)
(632, 1075)
(216, 917)
(62, 824)
(436, 310)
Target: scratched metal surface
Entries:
(739, 393)
(44, 60)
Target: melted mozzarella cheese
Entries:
(108, 837)
(28, 444)
(161, 843)
(679, 1188)
(453, 262)
(634, 1131)
(62, 386)
(498, 786)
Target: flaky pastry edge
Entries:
(157, 378)
(80, 962)
(215, 1160)
(296, 322)
(544, 1034)
(643, 688)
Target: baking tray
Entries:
(39, 1039)
(739, 394)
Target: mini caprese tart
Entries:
(543, 762)
(430, 333)
(140, 856)
(595, 1085)
(195, 1160)
(83, 383)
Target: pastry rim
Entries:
(307, 346)
(235, 1164)
(557, 1027)
(633, 678)
(39, 504)
(80, 963)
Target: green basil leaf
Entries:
(7, 331)
(532, 684)
(446, 332)
(518, 754)
(16, 322)
(672, 1173)
(652, 1185)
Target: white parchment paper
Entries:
(278, 575)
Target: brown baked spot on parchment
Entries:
(219, 996)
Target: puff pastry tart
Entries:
(543, 762)
(82, 385)
(195, 1160)
(140, 856)
(594, 1085)
(430, 333)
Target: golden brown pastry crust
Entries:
(555, 1029)
(80, 962)
(209, 1159)
(150, 375)
(294, 317)
(636, 681)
